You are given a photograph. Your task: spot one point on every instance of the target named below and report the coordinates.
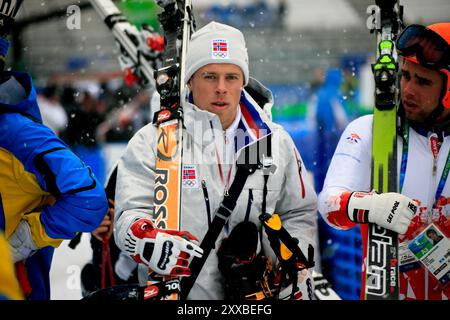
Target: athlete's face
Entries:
(217, 88)
(420, 88)
(433, 236)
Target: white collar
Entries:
(233, 127)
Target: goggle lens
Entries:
(430, 49)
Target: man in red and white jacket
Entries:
(423, 161)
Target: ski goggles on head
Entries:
(430, 49)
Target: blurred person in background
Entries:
(53, 114)
(121, 123)
(330, 120)
(85, 116)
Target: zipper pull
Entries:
(225, 138)
(204, 188)
(434, 145)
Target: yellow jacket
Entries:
(9, 288)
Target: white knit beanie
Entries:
(216, 43)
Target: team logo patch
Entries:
(353, 138)
(151, 292)
(163, 115)
(220, 49)
(190, 180)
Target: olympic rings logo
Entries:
(221, 55)
(189, 183)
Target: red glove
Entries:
(167, 252)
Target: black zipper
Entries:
(249, 204)
(206, 197)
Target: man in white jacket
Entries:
(221, 118)
(423, 145)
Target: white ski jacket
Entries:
(350, 170)
(290, 193)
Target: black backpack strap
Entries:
(250, 159)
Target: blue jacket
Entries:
(328, 94)
(44, 183)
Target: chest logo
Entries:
(353, 138)
(190, 176)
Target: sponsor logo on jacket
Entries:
(353, 138)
